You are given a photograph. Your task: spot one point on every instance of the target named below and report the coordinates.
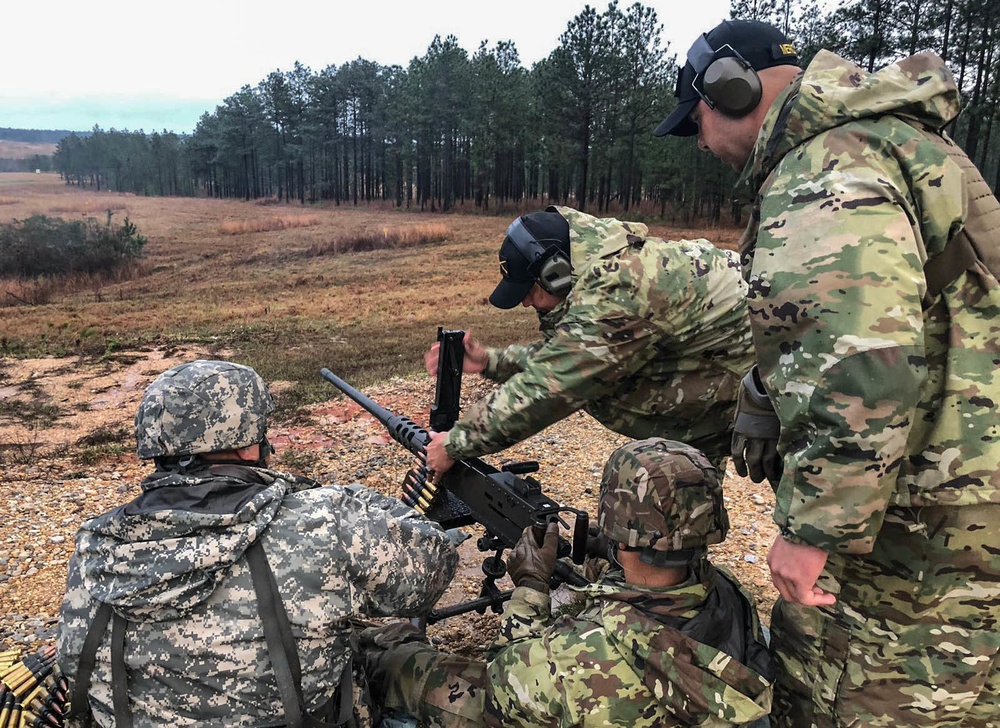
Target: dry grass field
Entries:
(269, 282)
(287, 290)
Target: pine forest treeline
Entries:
(452, 129)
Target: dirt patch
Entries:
(49, 405)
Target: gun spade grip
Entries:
(538, 529)
(581, 533)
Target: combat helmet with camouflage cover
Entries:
(202, 407)
(664, 498)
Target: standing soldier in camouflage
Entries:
(229, 587)
(875, 322)
(664, 639)
(649, 336)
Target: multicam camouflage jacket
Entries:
(688, 655)
(652, 340)
(881, 403)
(172, 562)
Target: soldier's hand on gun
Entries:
(531, 563)
(437, 458)
(474, 361)
(795, 567)
(754, 445)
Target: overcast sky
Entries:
(70, 64)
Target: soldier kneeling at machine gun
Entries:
(224, 593)
(649, 336)
(664, 639)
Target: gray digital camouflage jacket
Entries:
(652, 340)
(881, 403)
(634, 657)
(172, 562)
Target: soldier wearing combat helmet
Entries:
(663, 639)
(664, 500)
(225, 588)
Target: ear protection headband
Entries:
(730, 84)
(549, 266)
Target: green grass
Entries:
(104, 442)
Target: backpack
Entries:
(976, 247)
(337, 712)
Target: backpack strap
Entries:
(119, 676)
(277, 632)
(284, 654)
(956, 257)
(976, 247)
(280, 646)
(79, 705)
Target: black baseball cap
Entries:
(526, 245)
(759, 44)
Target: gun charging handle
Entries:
(581, 529)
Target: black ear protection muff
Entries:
(549, 266)
(729, 84)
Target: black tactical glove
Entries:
(597, 543)
(531, 563)
(755, 433)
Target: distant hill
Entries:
(25, 150)
(36, 136)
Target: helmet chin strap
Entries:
(671, 558)
(265, 450)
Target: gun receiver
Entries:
(451, 356)
(474, 492)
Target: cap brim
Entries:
(509, 293)
(678, 123)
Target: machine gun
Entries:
(472, 491)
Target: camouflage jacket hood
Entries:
(587, 249)
(833, 91)
(209, 516)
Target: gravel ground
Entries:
(58, 473)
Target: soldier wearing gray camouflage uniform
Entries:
(649, 336)
(664, 639)
(871, 258)
(182, 575)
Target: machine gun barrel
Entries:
(402, 429)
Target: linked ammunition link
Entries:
(419, 493)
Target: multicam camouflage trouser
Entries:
(913, 639)
(440, 689)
